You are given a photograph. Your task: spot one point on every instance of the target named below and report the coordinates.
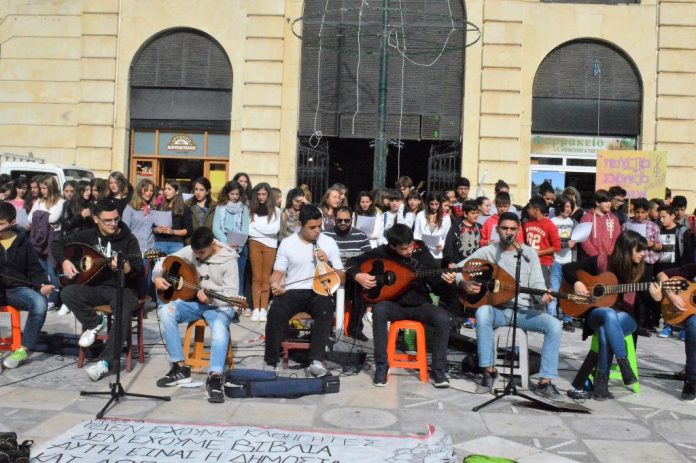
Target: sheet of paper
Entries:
(22, 220)
(495, 237)
(162, 218)
(366, 224)
(236, 239)
(432, 241)
(581, 232)
(186, 196)
(640, 228)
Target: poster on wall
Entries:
(643, 174)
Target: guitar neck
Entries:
(541, 292)
(627, 288)
(436, 271)
(215, 295)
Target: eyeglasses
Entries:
(109, 221)
(342, 220)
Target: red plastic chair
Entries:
(13, 342)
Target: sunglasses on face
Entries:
(342, 220)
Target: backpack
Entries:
(41, 232)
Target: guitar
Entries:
(393, 278)
(498, 286)
(184, 282)
(605, 288)
(687, 293)
(89, 261)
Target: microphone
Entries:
(509, 239)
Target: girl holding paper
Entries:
(138, 214)
(432, 225)
(365, 207)
(290, 217)
(170, 238)
(231, 225)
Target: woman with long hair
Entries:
(576, 201)
(563, 206)
(69, 188)
(413, 205)
(34, 191)
(201, 205)
(77, 214)
(364, 206)
(19, 192)
(613, 324)
(483, 203)
(290, 217)
(343, 190)
(329, 203)
(264, 226)
(120, 191)
(100, 189)
(432, 224)
(138, 214)
(232, 215)
(245, 182)
(170, 239)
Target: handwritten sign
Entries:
(141, 441)
(643, 174)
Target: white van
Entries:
(62, 173)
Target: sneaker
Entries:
(64, 310)
(316, 369)
(88, 337)
(568, 326)
(213, 387)
(98, 370)
(263, 315)
(51, 306)
(487, 382)
(256, 315)
(682, 335)
(548, 391)
(381, 373)
(666, 332)
(247, 312)
(16, 358)
(689, 392)
(177, 375)
(440, 380)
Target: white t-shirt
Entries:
(565, 230)
(296, 259)
(422, 227)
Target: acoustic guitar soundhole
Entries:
(389, 278)
(598, 291)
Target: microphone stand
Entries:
(116, 391)
(510, 388)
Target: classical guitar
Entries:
(89, 261)
(498, 286)
(184, 282)
(604, 290)
(393, 278)
(687, 293)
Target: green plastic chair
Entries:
(614, 371)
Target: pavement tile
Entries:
(608, 451)
(496, 446)
(610, 429)
(526, 425)
(677, 430)
(273, 414)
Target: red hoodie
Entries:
(605, 232)
(488, 233)
(540, 235)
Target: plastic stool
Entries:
(418, 361)
(521, 366)
(195, 355)
(13, 342)
(299, 319)
(615, 371)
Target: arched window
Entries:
(587, 88)
(181, 79)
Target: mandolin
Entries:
(604, 291)
(498, 286)
(326, 280)
(687, 292)
(90, 262)
(184, 282)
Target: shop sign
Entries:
(181, 143)
(574, 146)
(643, 174)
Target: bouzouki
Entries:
(184, 283)
(604, 291)
(89, 262)
(687, 293)
(393, 278)
(498, 286)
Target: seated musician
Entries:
(529, 317)
(216, 264)
(414, 304)
(108, 237)
(296, 263)
(613, 324)
(678, 306)
(21, 265)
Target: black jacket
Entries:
(123, 241)
(71, 222)
(421, 259)
(20, 261)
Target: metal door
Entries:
(313, 166)
(443, 166)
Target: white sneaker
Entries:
(64, 310)
(263, 315)
(316, 369)
(98, 370)
(89, 336)
(256, 315)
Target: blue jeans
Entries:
(217, 318)
(611, 328)
(488, 318)
(168, 247)
(690, 347)
(52, 278)
(556, 278)
(33, 302)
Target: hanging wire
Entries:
(357, 70)
(317, 135)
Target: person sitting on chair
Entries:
(529, 317)
(21, 264)
(216, 265)
(296, 262)
(109, 237)
(414, 304)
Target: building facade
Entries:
(176, 89)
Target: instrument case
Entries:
(244, 383)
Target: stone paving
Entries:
(41, 400)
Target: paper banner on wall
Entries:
(643, 174)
